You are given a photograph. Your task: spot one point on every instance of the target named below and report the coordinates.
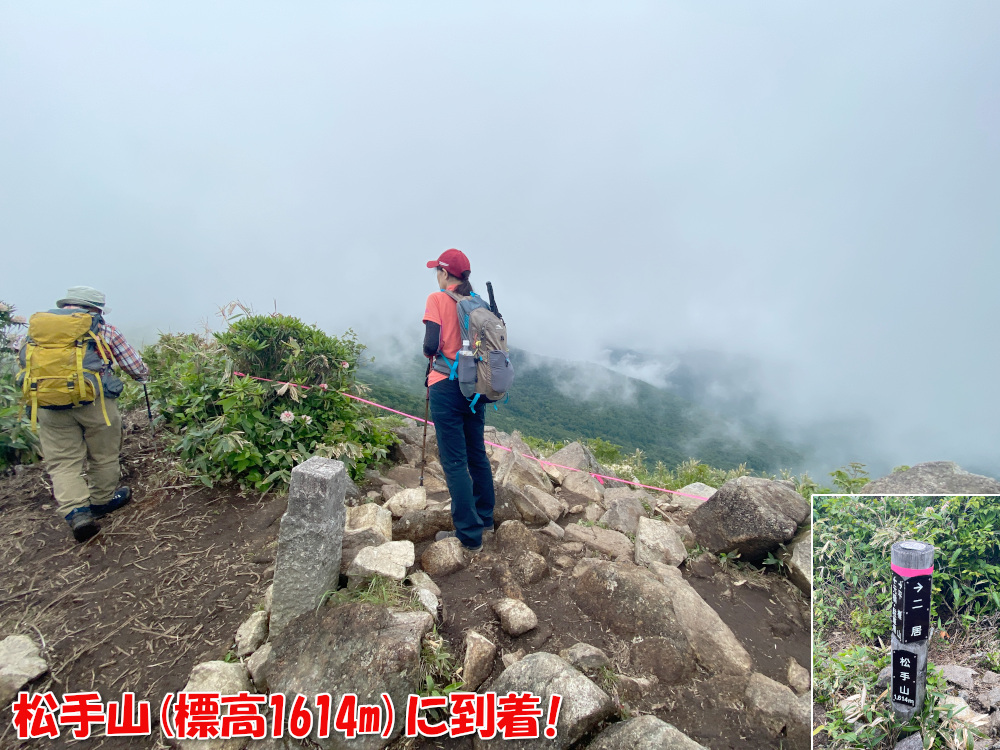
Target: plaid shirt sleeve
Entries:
(127, 357)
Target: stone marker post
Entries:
(912, 567)
(310, 540)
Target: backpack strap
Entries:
(473, 404)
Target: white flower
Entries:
(4, 307)
(18, 320)
(345, 365)
(307, 419)
(287, 417)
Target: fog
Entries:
(812, 191)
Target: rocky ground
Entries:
(618, 597)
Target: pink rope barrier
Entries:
(599, 477)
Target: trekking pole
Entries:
(149, 410)
(493, 302)
(427, 409)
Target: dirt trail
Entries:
(164, 585)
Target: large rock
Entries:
(527, 508)
(623, 514)
(514, 537)
(257, 666)
(221, 678)
(751, 515)
(251, 634)
(521, 472)
(578, 487)
(657, 541)
(634, 605)
(608, 542)
(478, 662)
(553, 506)
(576, 456)
(585, 657)
(516, 617)
(934, 477)
(798, 559)
(20, 663)
(584, 705)
(643, 733)
(444, 558)
(367, 525)
(411, 439)
(715, 646)
(777, 709)
(310, 539)
(358, 648)
(691, 497)
(421, 525)
(406, 501)
(529, 567)
(391, 560)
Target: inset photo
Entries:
(906, 652)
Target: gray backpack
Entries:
(483, 368)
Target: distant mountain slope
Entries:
(557, 400)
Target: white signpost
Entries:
(912, 568)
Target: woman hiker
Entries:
(459, 429)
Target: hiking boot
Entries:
(451, 534)
(82, 524)
(122, 496)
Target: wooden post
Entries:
(912, 567)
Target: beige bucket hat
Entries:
(82, 295)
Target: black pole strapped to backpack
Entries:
(493, 302)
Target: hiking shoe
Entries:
(122, 496)
(450, 535)
(82, 524)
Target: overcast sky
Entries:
(816, 187)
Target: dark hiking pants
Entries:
(463, 458)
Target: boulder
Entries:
(593, 512)
(634, 605)
(390, 490)
(444, 558)
(625, 492)
(420, 580)
(643, 733)
(553, 530)
(428, 601)
(519, 471)
(715, 646)
(391, 560)
(221, 678)
(623, 514)
(749, 515)
(914, 742)
(798, 559)
(368, 516)
(578, 487)
(257, 666)
(777, 710)
(585, 657)
(405, 501)
(530, 567)
(553, 506)
(251, 634)
(20, 663)
(357, 647)
(934, 477)
(608, 542)
(583, 707)
(515, 537)
(421, 525)
(478, 662)
(516, 617)
(576, 456)
(798, 677)
(510, 493)
(956, 675)
(657, 541)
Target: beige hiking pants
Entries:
(69, 436)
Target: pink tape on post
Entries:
(911, 572)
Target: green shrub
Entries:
(852, 541)
(236, 428)
(18, 443)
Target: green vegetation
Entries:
(18, 444)
(852, 600)
(668, 429)
(236, 429)
(380, 590)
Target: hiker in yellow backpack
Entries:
(67, 381)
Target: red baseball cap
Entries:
(453, 261)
